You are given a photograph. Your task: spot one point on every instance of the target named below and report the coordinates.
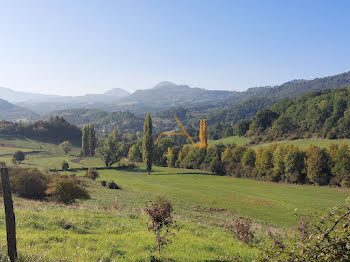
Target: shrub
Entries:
(65, 165)
(242, 229)
(303, 228)
(91, 174)
(28, 183)
(66, 189)
(103, 183)
(160, 221)
(113, 185)
(327, 240)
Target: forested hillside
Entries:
(56, 129)
(80, 116)
(246, 105)
(323, 114)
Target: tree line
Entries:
(56, 128)
(276, 163)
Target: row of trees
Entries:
(276, 163)
(112, 148)
(88, 140)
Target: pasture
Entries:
(111, 226)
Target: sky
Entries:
(78, 47)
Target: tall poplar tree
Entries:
(92, 140)
(85, 141)
(89, 140)
(147, 143)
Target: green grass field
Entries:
(111, 226)
(238, 140)
(303, 143)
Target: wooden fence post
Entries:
(10, 215)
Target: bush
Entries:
(91, 174)
(103, 183)
(28, 183)
(160, 222)
(66, 189)
(242, 229)
(327, 240)
(113, 185)
(65, 165)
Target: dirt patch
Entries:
(221, 210)
(6, 145)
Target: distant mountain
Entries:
(10, 111)
(17, 96)
(117, 92)
(100, 101)
(166, 94)
(215, 104)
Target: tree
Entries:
(85, 141)
(92, 140)
(171, 158)
(18, 157)
(263, 119)
(134, 153)
(317, 165)
(112, 149)
(66, 146)
(147, 143)
(89, 140)
(341, 164)
(294, 163)
(248, 158)
(242, 127)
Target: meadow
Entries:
(238, 140)
(111, 226)
(302, 143)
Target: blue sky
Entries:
(78, 47)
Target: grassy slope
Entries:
(93, 231)
(238, 140)
(276, 204)
(303, 143)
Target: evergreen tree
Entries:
(147, 143)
